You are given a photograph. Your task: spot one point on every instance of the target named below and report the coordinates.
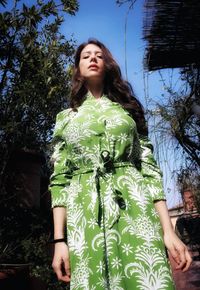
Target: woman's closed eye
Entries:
(98, 56)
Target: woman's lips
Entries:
(93, 66)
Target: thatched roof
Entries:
(171, 29)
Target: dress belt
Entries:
(101, 170)
(104, 216)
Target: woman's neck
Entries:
(96, 90)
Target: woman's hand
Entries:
(61, 264)
(175, 246)
(178, 251)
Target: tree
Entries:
(176, 119)
(34, 74)
(3, 2)
(182, 113)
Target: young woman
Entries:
(106, 188)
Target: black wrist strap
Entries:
(57, 241)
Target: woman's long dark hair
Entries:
(116, 89)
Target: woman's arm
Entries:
(59, 181)
(151, 172)
(60, 264)
(175, 246)
(59, 220)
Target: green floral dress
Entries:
(113, 231)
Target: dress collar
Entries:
(90, 96)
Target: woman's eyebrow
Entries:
(89, 51)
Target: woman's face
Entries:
(91, 64)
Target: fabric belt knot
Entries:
(106, 214)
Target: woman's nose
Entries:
(93, 58)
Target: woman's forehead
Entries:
(91, 48)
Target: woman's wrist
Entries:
(163, 213)
(58, 234)
(168, 230)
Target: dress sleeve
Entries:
(60, 179)
(150, 170)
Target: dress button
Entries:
(105, 155)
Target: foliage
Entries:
(35, 66)
(3, 2)
(182, 114)
(34, 78)
(177, 124)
